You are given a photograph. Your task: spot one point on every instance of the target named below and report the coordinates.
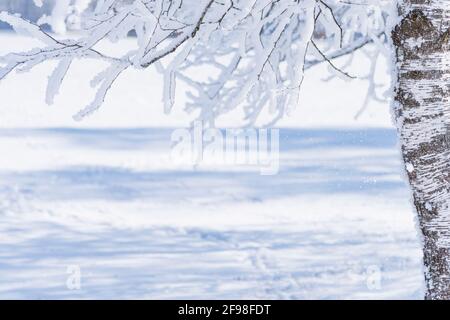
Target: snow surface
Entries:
(103, 195)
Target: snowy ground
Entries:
(103, 196)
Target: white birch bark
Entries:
(422, 111)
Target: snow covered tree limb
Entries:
(258, 50)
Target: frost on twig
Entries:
(256, 51)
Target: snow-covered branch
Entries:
(255, 51)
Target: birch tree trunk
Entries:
(422, 111)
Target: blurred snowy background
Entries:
(102, 196)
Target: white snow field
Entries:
(104, 198)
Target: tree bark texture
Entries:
(422, 111)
